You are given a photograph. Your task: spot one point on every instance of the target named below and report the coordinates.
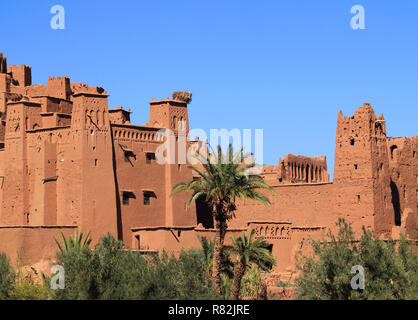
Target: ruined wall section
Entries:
(297, 169)
(403, 166)
(361, 168)
(353, 178)
(21, 75)
(383, 213)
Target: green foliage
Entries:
(7, 277)
(26, 289)
(208, 247)
(110, 272)
(81, 267)
(77, 241)
(250, 252)
(182, 278)
(389, 273)
(253, 251)
(251, 282)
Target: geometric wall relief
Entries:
(271, 230)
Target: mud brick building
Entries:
(68, 161)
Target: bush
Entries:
(110, 272)
(28, 290)
(389, 273)
(7, 277)
(81, 267)
(251, 283)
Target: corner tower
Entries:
(361, 173)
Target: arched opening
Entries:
(393, 152)
(174, 122)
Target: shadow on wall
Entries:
(396, 203)
(204, 214)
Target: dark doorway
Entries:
(204, 213)
(395, 202)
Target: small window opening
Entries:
(149, 157)
(352, 141)
(147, 197)
(126, 196)
(27, 219)
(355, 166)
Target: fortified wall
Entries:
(68, 161)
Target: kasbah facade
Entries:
(68, 162)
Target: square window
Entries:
(126, 195)
(149, 157)
(147, 197)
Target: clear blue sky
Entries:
(285, 66)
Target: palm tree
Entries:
(249, 251)
(227, 264)
(75, 241)
(207, 250)
(221, 180)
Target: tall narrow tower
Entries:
(361, 173)
(172, 114)
(94, 164)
